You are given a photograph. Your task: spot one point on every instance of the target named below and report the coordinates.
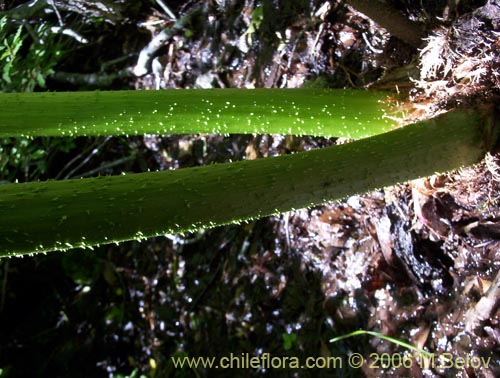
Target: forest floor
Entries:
(409, 261)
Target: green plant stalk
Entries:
(339, 113)
(59, 215)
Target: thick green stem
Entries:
(47, 216)
(339, 113)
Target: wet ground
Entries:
(409, 261)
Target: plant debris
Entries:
(418, 262)
(460, 63)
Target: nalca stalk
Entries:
(59, 215)
(319, 112)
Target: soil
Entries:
(410, 261)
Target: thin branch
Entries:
(167, 10)
(75, 159)
(94, 152)
(99, 79)
(157, 42)
(70, 33)
(111, 164)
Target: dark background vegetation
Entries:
(407, 261)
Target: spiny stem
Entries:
(57, 215)
(338, 113)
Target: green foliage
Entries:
(256, 20)
(9, 50)
(26, 59)
(16, 155)
(289, 340)
(25, 159)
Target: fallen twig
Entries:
(484, 309)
